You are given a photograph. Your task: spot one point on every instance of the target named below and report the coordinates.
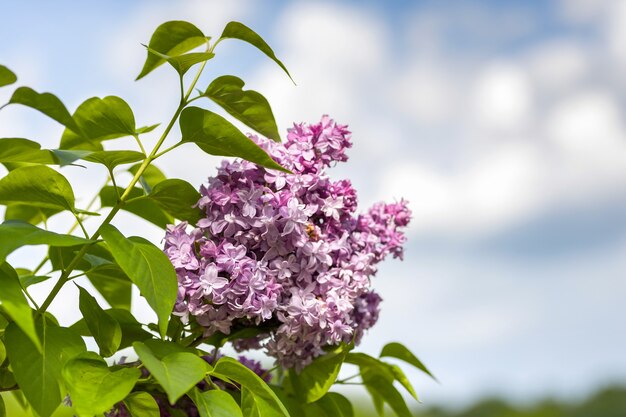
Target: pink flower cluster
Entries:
(286, 252)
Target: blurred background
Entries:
(502, 122)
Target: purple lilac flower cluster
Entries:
(286, 251)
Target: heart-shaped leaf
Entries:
(95, 388)
(177, 372)
(247, 106)
(171, 38)
(38, 186)
(47, 103)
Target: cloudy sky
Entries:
(503, 123)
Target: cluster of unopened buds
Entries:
(285, 252)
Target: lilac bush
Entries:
(287, 251)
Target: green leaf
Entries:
(30, 214)
(15, 304)
(24, 150)
(217, 136)
(146, 129)
(247, 106)
(3, 352)
(38, 186)
(182, 63)
(177, 372)
(15, 233)
(3, 411)
(171, 38)
(145, 208)
(104, 328)
(399, 351)
(177, 197)
(64, 157)
(131, 328)
(142, 404)
(236, 30)
(111, 159)
(261, 400)
(93, 387)
(7, 76)
(47, 103)
(215, 403)
(149, 268)
(399, 376)
(314, 381)
(99, 119)
(38, 373)
(385, 390)
(113, 284)
(150, 177)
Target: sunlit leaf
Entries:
(260, 399)
(7, 76)
(236, 30)
(177, 197)
(215, 403)
(39, 373)
(217, 136)
(399, 351)
(177, 372)
(145, 208)
(142, 404)
(94, 387)
(149, 268)
(312, 382)
(103, 327)
(15, 304)
(247, 106)
(99, 119)
(111, 159)
(182, 63)
(38, 186)
(171, 38)
(15, 234)
(47, 103)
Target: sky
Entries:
(502, 123)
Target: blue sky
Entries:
(501, 122)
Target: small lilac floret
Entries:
(286, 251)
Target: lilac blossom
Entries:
(285, 251)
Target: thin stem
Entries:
(163, 152)
(80, 223)
(146, 162)
(341, 381)
(140, 144)
(30, 298)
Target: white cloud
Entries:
(503, 97)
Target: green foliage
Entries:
(257, 398)
(7, 77)
(247, 106)
(38, 373)
(177, 372)
(103, 327)
(47, 103)
(50, 190)
(142, 404)
(41, 361)
(173, 39)
(215, 404)
(314, 381)
(148, 268)
(95, 388)
(216, 136)
(15, 305)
